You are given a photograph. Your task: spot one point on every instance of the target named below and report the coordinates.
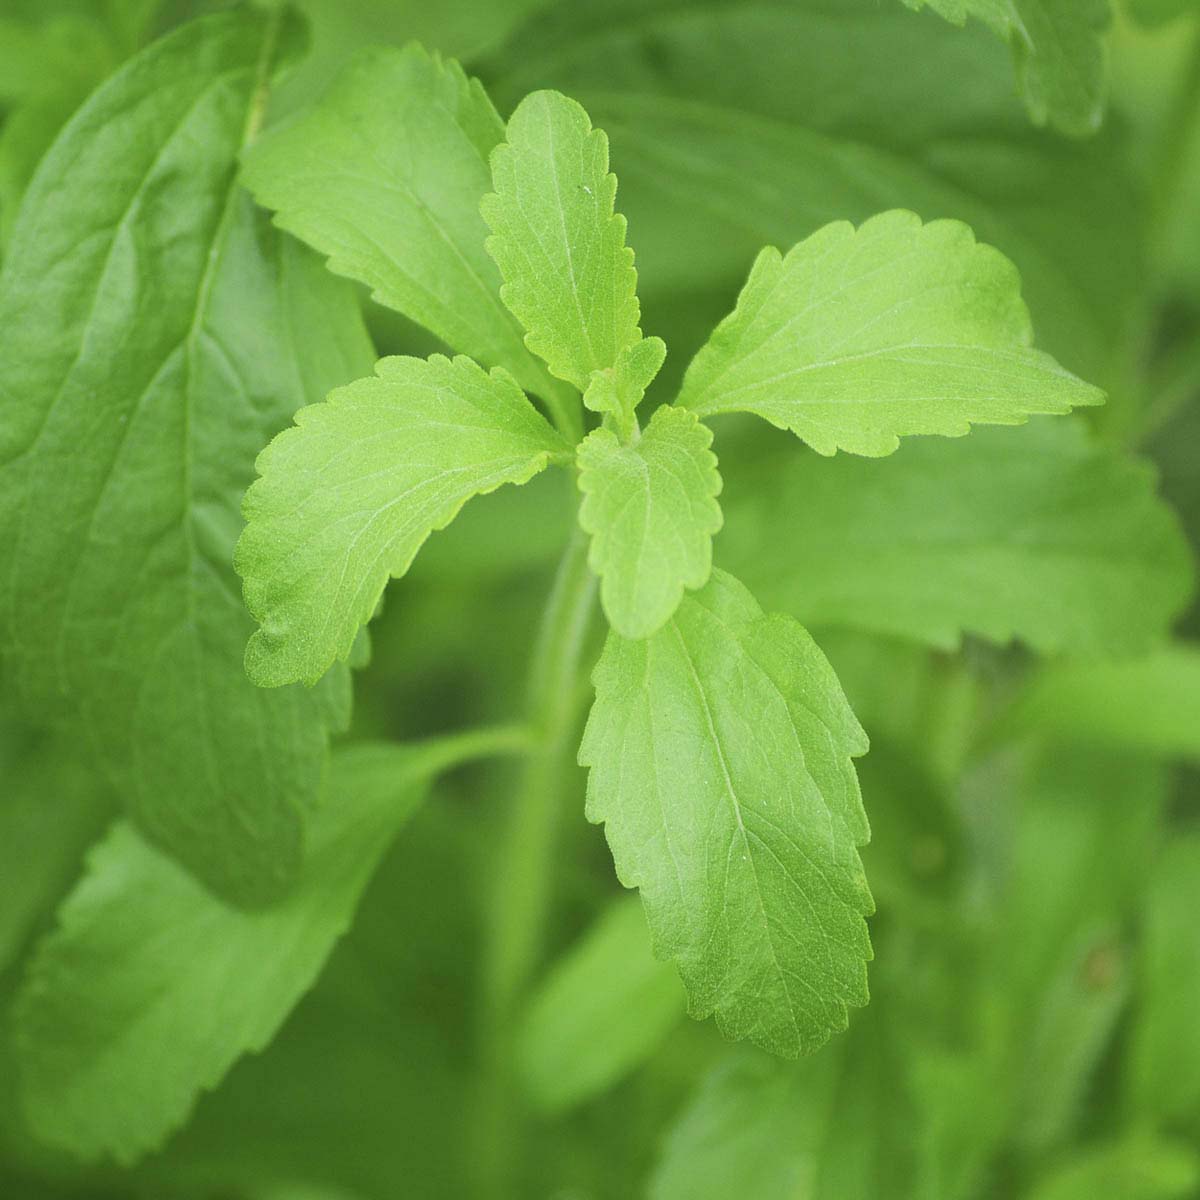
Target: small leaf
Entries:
(1039, 533)
(1059, 50)
(568, 275)
(349, 494)
(861, 336)
(384, 175)
(602, 1010)
(651, 509)
(720, 764)
(618, 390)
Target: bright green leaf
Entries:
(601, 1011)
(157, 333)
(1060, 56)
(720, 764)
(651, 509)
(348, 495)
(568, 275)
(1037, 533)
(384, 175)
(617, 390)
(861, 336)
(151, 988)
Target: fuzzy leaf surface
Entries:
(858, 337)
(720, 753)
(348, 495)
(568, 275)
(158, 332)
(1037, 533)
(651, 508)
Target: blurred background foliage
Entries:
(1034, 1028)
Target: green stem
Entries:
(1178, 131)
(523, 885)
(435, 755)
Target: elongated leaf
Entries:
(1145, 705)
(384, 175)
(1036, 533)
(1059, 51)
(151, 987)
(720, 764)
(1164, 1057)
(157, 333)
(651, 509)
(349, 494)
(600, 1012)
(860, 336)
(568, 275)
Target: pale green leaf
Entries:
(599, 1013)
(1058, 45)
(151, 988)
(348, 495)
(568, 275)
(651, 509)
(157, 333)
(617, 390)
(720, 764)
(1037, 533)
(861, 336)
(384, 175)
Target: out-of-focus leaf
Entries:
(603, 1008)
(1164, 1062)
(151, 987)
(1149, 705)
(1142, 1168)
(1037, 533)
(1059, 53)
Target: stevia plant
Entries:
(208, 479)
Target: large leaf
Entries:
(385, 175)
(568, 275)
(150, 988)
(720, 764)
(157, 333)
(1036, 533)
(651, 509)
(859, 336)
(348, 495)
(1060, 55)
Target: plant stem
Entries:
(523, 884)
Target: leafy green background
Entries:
(996, 608)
